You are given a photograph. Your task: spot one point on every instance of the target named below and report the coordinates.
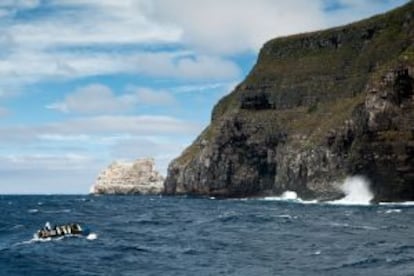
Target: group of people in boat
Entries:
(61, 230)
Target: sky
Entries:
(86, 82)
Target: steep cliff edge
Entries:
(315, 108)
(138, 177)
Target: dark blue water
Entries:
(146, 235)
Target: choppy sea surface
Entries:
(151, 235)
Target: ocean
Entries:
(153, 235)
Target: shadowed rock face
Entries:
(315, 108)
(138, 177)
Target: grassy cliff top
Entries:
(324, 66)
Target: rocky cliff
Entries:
(138, 177)
(315, 108)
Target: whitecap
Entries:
(92, 236)
(285, 196)
(347, 225)
(390, 211)
(81, 199)
(270, 198)
(289, 198)
(403, 203)
(32, 211)
(286, 216)
(57, 211)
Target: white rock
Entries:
(138, 177)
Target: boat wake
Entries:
(35, 239)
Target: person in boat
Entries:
(61, 230)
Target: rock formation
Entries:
(138, 177)
(315, 108)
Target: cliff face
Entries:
(315, 108)
(138, 177)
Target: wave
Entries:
(35, 240)
(390, 211)
(288, 196)
(356, 190)
(350, 226)
(403, 203)
(57, 211)
(17, 226)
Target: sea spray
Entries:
(289, 195)
(356, 190)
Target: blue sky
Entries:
(87, 82)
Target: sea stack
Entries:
(129, 178)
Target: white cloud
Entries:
(100, 126)
(149, 96)
(92, 22)
(39, 181)
(67, 161)
(51, 45)
(98, 98)
(91, 99)
(31, 66)
(36, 158)
(235, 26)
(65, 138)
(134, 125)
(47, 173)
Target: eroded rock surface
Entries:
(138, 177)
